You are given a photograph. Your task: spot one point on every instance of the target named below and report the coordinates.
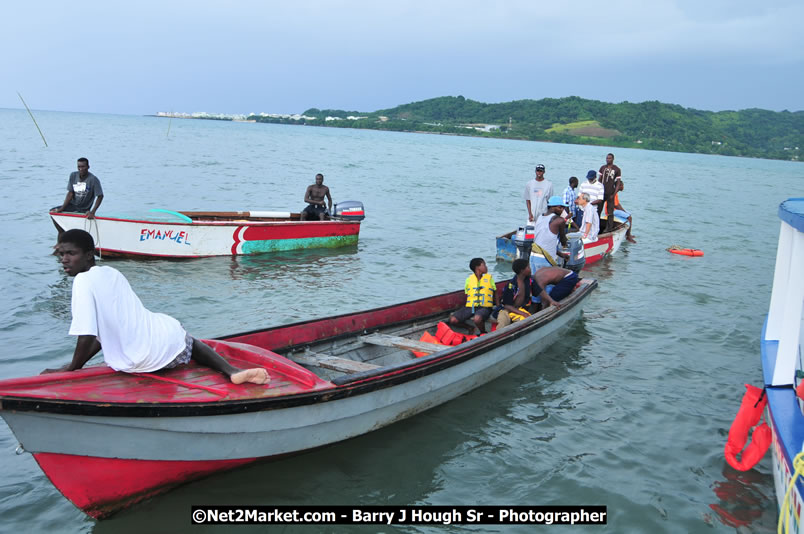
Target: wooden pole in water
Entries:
(32, 117)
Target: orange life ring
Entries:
(748, 416)
(686, 251)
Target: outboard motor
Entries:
(523, 240)
(349, 210)
(577, 256)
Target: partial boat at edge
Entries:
(781, 353)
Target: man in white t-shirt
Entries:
(537, 191)
(108, 315)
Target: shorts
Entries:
(564, 287)
(184, 356)
(466, 313)
(314, 210)
(537, 262)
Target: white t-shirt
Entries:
(595, 190)
(538, 193)
(133, 339)
(590, 216)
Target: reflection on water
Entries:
(56, 298)
(742, 503)
(259, 266)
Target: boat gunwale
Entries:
(242, 221)
(357, 384)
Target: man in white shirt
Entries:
(537, 191)
(590, 225)
(108, 314)
(595, 190)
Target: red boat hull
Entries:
(101, 486)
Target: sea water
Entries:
(630, 410)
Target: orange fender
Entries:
(686, 251)
(748, 416)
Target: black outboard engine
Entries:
(349, 210)
(523, 240)
(577, 256)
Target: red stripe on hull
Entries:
(103, 486)
(298, 231)
(607, 241)
(236, 240)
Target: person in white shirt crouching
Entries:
(107, 314)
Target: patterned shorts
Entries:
(184, 356)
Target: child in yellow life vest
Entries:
(481, 297)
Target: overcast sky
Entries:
(287, 56)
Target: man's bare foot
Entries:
(254, 376)
(630, 239)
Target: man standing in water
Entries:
(108, 315)
(314, 196)
(537, 191)
(82, 188)
(609, 176)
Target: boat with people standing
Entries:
(607, 244)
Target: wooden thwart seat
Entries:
(328, 361)
(402, 343)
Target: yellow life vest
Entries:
(480, 294)
(517, 317)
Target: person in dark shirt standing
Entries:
(83, 188)
(609, 176)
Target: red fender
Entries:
(748, 416)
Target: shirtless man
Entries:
(314, 196)
(557, 282)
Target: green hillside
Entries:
(651, 125)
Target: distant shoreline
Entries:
(572, 120)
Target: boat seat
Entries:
(402, 343)
(327, 361)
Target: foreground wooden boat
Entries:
(781, 352)
(108, 440)
(197, 234)
(606, 245)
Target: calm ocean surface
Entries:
(631, 410)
